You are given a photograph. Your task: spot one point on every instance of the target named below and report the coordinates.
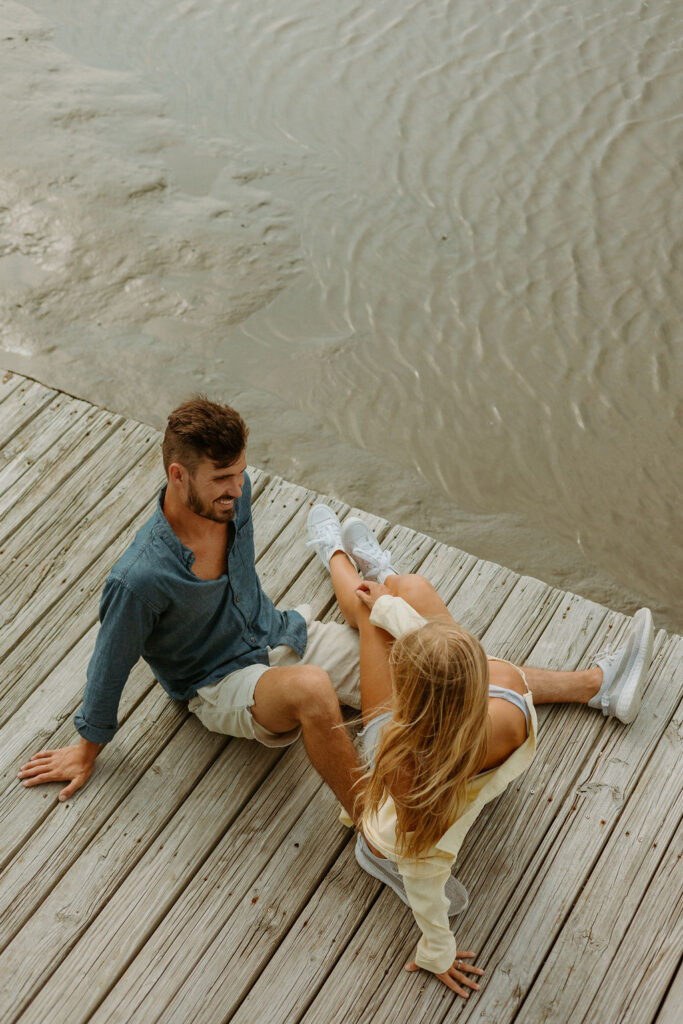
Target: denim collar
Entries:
(162, 528)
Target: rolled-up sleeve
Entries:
(395, 615)
(126, 621)
(425, 887)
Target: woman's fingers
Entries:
(469, 968)
(463, 979)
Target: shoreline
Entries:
(434, 516)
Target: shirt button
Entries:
(252, 639)
(238, 599)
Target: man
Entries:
(186, 597)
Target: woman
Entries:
(446, 729)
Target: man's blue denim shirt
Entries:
(191, 632)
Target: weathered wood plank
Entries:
(277, 505)
(59, 838)
(49, 535)
(670, 1011)
(35, 442)
(591, 937)
(231, 878)
(249, 937)
(650, 952)
(79, 545)
(9, 382)
(45, 722)
(149, 890)
(483, 593)
(409, 548)
(40, 485)
(20, 407)
(143, 814)
(326, 926)
(446, 569)
(40, 491)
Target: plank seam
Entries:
(665, 996)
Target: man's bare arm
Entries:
(66, 764)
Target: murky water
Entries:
(431, 249)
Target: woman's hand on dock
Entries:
(368, 592)
(65, 764)
(456, 974)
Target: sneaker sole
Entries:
(458, 896)
(628, 698)
(368, 863)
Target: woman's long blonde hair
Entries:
(436, 739)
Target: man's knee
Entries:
(314, 697)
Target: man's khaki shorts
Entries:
(224, 706)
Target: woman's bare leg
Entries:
(375, 643)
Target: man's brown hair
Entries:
(200, 429)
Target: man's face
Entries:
(211, 490)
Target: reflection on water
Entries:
(446, 234)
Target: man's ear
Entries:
(176, 473)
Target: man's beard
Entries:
(209, 510)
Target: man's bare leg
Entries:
(303, 695)
(547, 686)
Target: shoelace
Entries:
(381, 562)
(328, 535)
(609, 653)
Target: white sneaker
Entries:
(363, 547)
(325, 532)
(624, 670)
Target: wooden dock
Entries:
(197, 878)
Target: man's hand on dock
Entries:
(66, 764)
